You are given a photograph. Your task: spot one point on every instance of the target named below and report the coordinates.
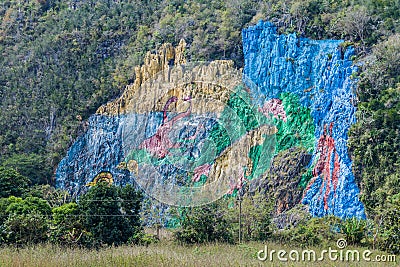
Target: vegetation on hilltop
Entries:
(60, 60)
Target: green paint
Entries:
(254, 155)
(305, 178)
(299, 129)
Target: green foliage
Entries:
(110, 214)
(12, 183)
(375, 139)
(310, 232)
(255, 219)
(219, 221)
(32, 166)
(29, 205)
(389, 232)
(62, 59)
(55, 197)
(142, 238)
(21, 229)
(105, 215)
(67, 227)
(203, 225)
(24, 221)
(354, 230)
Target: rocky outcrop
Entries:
(319, 75)
(183, 123)
(281, 182)
(171, 114)
(154, 63)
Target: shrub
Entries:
(202, 225)
(27, 220)
(110, 214)
(256, 217)
(67, 227)
(389, 235)
(21, 229)
(354, 230)
(12, 183)
(310, 233)
(142, 238)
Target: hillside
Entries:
(63, 61)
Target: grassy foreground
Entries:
(161, 254)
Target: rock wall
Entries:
(179, 124)
(318, 75)
(194, 124)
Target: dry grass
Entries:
(161, 254)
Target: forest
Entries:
(61, 60)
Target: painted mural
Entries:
(307, 85)
(190, 133)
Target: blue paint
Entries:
(318, 72)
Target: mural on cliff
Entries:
(186, 133)
(190, 133)
(307, 87)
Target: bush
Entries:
(389, 235)
(22, 229)
(26, 220)
(12, 183)
(354, 230)
(310, 233)
(256, 217)
(67, 227)
(110, 214)
(202, 225)
(142, 238)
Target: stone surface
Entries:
(302, 86)
(179, 123)
(281, 181)
(319, 74)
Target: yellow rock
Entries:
(165, 74)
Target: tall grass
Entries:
(161, 254)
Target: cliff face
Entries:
(101, 148)
(183, 124)
(176, 125)
(306, 85)
(98, 150)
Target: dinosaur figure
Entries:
(160, 143)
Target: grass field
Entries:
(165, 253)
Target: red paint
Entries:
(159, 144)
(200, 170)
(327, 152)
(274, 106)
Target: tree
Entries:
(110, 214)
(32, 166)
(67, 226)
(26, 221)
(255, 218)
(204, 224)
(12, 183)
(357, 24)
(390, 231)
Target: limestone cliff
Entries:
(312, 91)
(154, 63)
(184, 126)
(174, 112)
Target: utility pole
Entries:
(240, 217)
